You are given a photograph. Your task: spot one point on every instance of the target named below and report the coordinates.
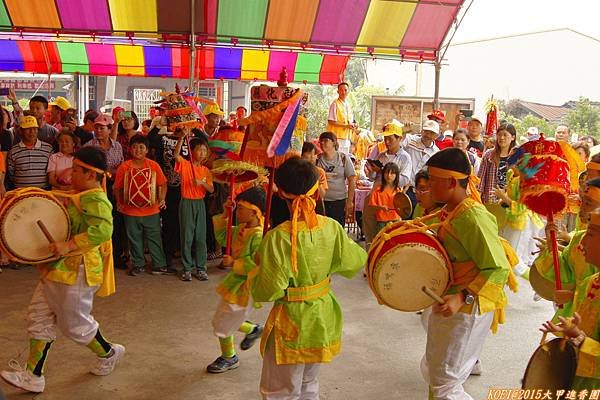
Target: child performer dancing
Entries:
(236, 303)
(583, 330)
(476, 300)
(64, 297)
(295, 261)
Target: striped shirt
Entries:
(27, 166)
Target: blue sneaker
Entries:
(222, 364)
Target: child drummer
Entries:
(583, 329)
(295, 261)
(475, 301)
(142, 221)
(236, 303)
(64, 297)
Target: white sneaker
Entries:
(24, 379)
(477, 370)
(106, 365)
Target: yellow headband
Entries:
(446, 173)
(593, 193)
(105, 174)
(302, 204)
(593, 165)
(252, 207)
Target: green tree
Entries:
(584, 119)
(521, 125)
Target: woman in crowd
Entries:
(127, 128)
(460, 140)
(494, 163)
(60, 164)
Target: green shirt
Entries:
(244, 244)
(308, 331)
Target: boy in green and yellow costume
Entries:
(475, 300)
(583, 329)
(574, 268)
(236, 302)
(295, 262)
(64, 297)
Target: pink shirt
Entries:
(61, 165)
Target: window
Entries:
(143, 99)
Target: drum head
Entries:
(23, 238)
(401, 272)
(552, 369)
(542, 286)
(403, 205)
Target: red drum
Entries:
(403, 258)
(545, 177)
(140, 187)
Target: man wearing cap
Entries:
(392, 137)
(442, 141)
(58, 111)
(28, 159)
(340, 119)
(421, 147)
(37, 107)
(532, 133)
(214, 115)
(476, 143)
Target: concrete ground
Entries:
(165, 325)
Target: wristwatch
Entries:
(469, 298)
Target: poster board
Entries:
(412, 111)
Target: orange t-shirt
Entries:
(189, 189)
(2, 163)
(385, 198)
(129, 209)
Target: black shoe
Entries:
(135, 271)
(250, 338)
(222, 364)
(164, 271)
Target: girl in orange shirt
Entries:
(382, 196)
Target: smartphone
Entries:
(467, 113)
(4, 91)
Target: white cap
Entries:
(533, 131)
(431, 126)
(448, 133)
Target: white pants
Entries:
(287, 381)
(453, 347)
(229, 317)
(67, 307)
(523, 243)
(344, 146)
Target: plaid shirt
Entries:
(114, 154)
(488, 172)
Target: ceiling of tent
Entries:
(236, 39)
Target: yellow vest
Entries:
(342, 118)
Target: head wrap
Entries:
(105, 174)
(302, 204)
(259, 214)
(446, 173)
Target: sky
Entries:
(549, 68)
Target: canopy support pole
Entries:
(436, 93)
(192, 44)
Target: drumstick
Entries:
(431, 294)
(45, 231)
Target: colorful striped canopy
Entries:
(410, 29)
(172, 62)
